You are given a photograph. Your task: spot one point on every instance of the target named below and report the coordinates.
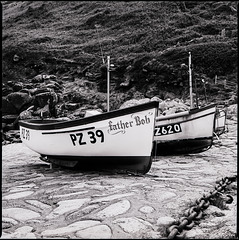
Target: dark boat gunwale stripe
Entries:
(33, 124)
(76, 130)
(199, 109)
(188, 120)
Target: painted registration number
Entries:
(25, 134)
(167, 129)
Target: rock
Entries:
(152, 90)
(12, 136)
(17, 86)
(53, 85)
(181, 107)
(166, 107)
(95, 232)
(24, 90)
(169, 111)
(36, 91)
(43, 112)
(224, 8)
(144, 100)
(129, 103)
(157, 99)
(16, 58)
(6, 90)
(20, 214)
(3, 126)
(166, 221)
(19, 99)
(163, 106)
(38, 78)
(26, 114)
(8, 107)
(171, 103)
(25, 232)
(50, 85)
(42, 78)
(42, 99)
(9, 118)
(146, 209)
(68, 78)
(214, 211)
(232, 100)
(71, 106)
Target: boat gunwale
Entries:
(199, 109)
(39, 125)
(182, 121)
(187, 113)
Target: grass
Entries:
(131, 32)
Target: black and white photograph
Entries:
(119, 119)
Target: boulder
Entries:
(163, 106)
(171, 103)
(6, 90)
(71, 106)
(170, 111)
(156, 99)
(38, 78)
(232, 111)
(166, 107)
(144, 100)
(45, 98)
(17, 86)
(26, 114)
(53, 85)
(19, 99)
(129, 103)
(42, 78)
(43, 112)
(36, 91)
(9, 118)
(8, 107)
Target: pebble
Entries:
(146, 209)
(166, 221)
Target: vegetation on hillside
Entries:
(148, 41)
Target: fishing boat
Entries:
(220, 120)
(185, 132)
(120, 139)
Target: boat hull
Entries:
(220, 121)
(186, 132)
(121, 139)
(139, 164)
(184, 146)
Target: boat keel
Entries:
(139, 164)
(185, 146)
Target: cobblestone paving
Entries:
(43, 202)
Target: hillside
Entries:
(147, 41)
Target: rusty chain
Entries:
(195, 212)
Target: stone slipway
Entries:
(40, 202)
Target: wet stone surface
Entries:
(43, 202)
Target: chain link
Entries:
(196, 212)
